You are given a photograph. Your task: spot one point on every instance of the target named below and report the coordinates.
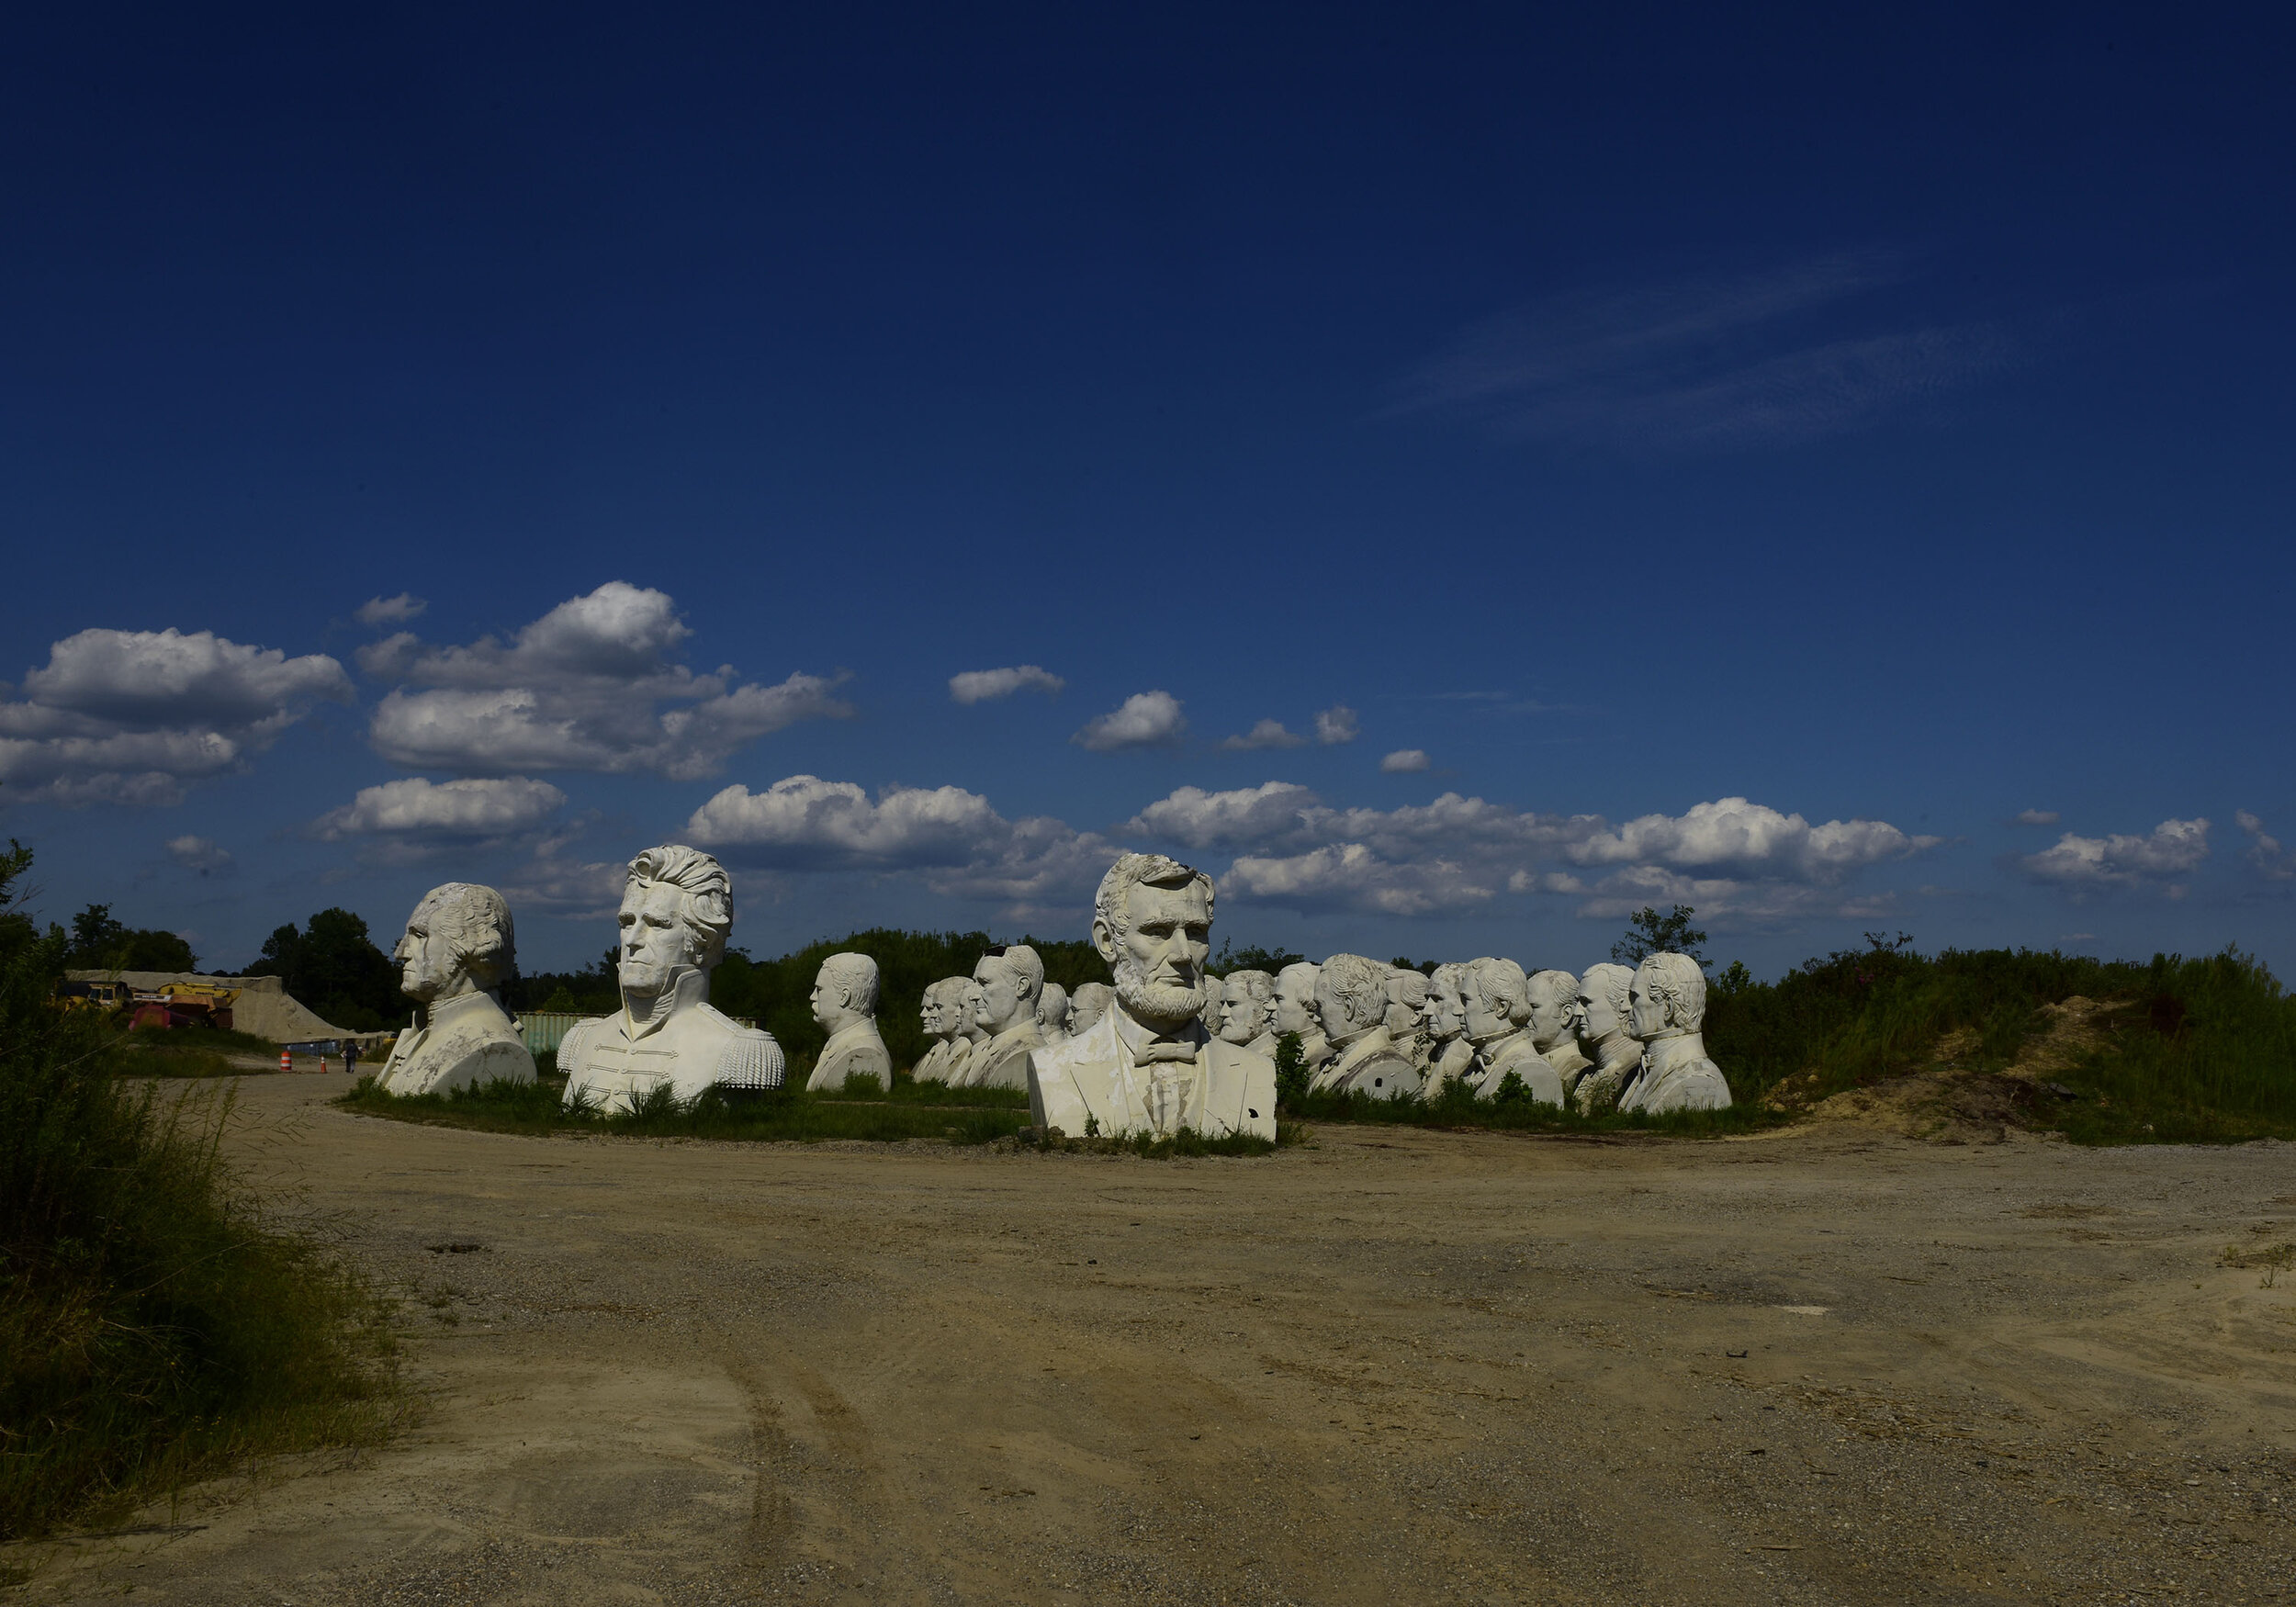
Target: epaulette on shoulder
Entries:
(750, 1060)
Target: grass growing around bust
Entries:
(157, 1324)
(906, 1092)
(1455, 1106)
(787, 1116)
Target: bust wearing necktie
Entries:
(458, 950)
(1147, 1065)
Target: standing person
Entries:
(351, 1056)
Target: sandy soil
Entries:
(1829, 1366)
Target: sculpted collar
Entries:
(690, 987)
(1148, 1045)
(445, 1011)
(1490, 1042)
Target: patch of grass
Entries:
(157, 1322)
(1458, 1108)
(1149, 1147)
(2198, 1051)
(789, 1115)
(907, 1092)
(188, 1051)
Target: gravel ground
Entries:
(1813, 1367)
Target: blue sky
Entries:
(1626, 459)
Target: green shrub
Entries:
(155, 1325)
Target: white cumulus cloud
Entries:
(1744, 861)
(391, 611)
(130, 716)
(590, 686)
(980, 686)
(1732, 831)
(1146, 719)
(1337, 724)
(2175, 849)
(493, 807)
(1405, 761)
(955, 840)
(1350, 876)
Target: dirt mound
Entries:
(1948, 1102)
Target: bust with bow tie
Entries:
(1148, 1066)
(458, 950)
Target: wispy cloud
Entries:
(2266, 856)
(1267, 734)
(980, 686)
(1768, 359)
(391, 611)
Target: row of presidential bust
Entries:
(1166, 1047)
(677, 911)
(1617, 1037)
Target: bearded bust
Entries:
(458, 950)
(677, 911)
(1147, 1065)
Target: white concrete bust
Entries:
(458, 950)
(1007, 984)
(1449, 1054)
(1051, 1013)
(677, 910)
(845, 1006)
(1614, 1051)
(936, 1012)
(1498, 1007)
(1295, 1010)
(1088, 1004)
(1352, 997)
(1407, 1013)
(1668, 998)
(1247, 995)
(1147, 1065)
(1554, 1024)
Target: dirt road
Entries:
(1395, 1368)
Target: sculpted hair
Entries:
(1258, 986)
(857, 974)
(1407, 987)
(709, 895)
(1025, 965)
(1609, 982)
(1358, 982)
(1113, 903)
(1052, 1004)
(1677, 979)
(1502, 984)
(1560, 980)
(477, 923)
